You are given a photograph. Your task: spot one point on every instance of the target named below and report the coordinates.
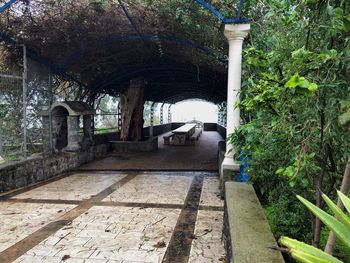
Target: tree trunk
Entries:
(345, 185)
(132, 102)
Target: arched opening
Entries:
(195, 110)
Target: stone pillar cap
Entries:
(236, 31)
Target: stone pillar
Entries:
(88, 130)
(46, 130)
(73, 128)
(235, 35)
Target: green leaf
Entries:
(339, 214)
(313, 87)
(302, 251)
(345, 200)
(307, 258)
(280, 171)
(346, 22)
(293, 81)
(341, 231)
(297, 81)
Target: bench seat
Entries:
(195, 136)
(167, 138)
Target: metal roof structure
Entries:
(102, 45)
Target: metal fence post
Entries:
(152, 120)
(120, 123)
(25, 76)
(169, 114)
(1, 142)
(50, 112)
(162, 114)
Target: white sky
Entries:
(199, 110)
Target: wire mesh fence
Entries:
(24, 93)
(11, 118)
(107, 122)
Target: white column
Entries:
(235, 35)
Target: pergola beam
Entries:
(6, 5)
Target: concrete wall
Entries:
(106, 137)
(215, 127)
(210, 127)
(221, 130)
(248, 236)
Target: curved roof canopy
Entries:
(176, 46)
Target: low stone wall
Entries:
(35, 169)
(210, 127)
(225, 175)
(22, 173)
(157, 129)
(106, 137)
(248, 236)
(143, 146)
(221, 130)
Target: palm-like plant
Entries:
(339, 224)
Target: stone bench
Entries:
(167, 138)
(248, 234)
(195, 136)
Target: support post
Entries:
(219, 115)
(162, 114)
(24, 81)
(152, 120)
(224, 117)
(235, 34)
(46, 137)
(88, 130)
(169, 113)
(119, 117)
(73, 127)
(1, 140)
(50, 114)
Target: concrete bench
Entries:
(167, 138)
(248, 234)
(195, 136)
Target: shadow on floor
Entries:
(199, 157)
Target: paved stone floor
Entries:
(115, 217)
(199, 157)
